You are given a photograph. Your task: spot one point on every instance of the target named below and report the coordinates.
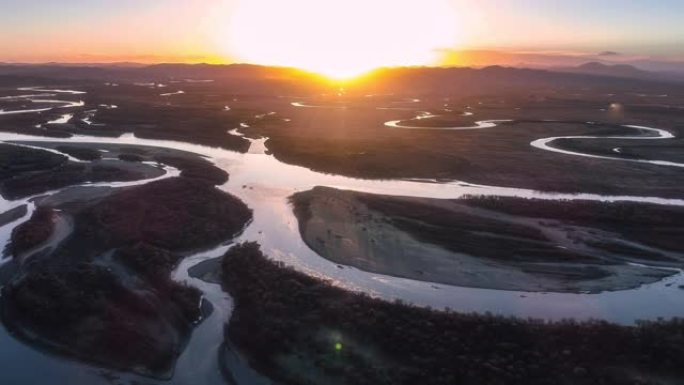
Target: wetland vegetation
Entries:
(304, 330)
(112, 233)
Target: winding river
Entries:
(264, 184)
(643, 133)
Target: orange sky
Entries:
(337, 36)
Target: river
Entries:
(264, 184)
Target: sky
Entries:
(318, 34)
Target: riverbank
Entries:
(104, 294)
(358, 143)
(299, 329)
(463, 243)
(30, 171)
(265, 183)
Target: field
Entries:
(122, 189)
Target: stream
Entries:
(264, 184)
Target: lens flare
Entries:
(340, 38)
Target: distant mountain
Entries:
(620, 71)
(673, 67)
(255, 79)
(139, 72)
(559, 60)
(500, 79)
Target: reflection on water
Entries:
(264, 184)
(645, 133)
(62, 119)
(35, 98)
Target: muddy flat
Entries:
(454, 242)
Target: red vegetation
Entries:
(34, 232)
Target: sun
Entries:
(339, 38)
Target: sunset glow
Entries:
(349, 192)
(340, 38)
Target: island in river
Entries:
(496, 243)
(119, 218)
(103, 292)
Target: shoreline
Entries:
(343, 227)
(280, 327)
(128, 275)
(389, 284)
